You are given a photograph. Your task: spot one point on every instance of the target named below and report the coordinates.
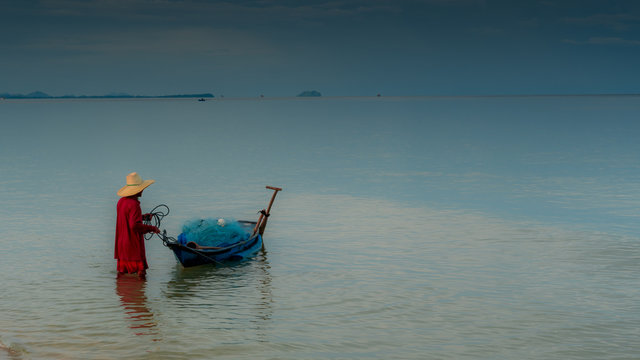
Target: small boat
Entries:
(202, 99)
(192, 254)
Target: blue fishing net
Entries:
(213, 232)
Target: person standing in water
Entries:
(129, 246)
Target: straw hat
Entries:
(135, 184)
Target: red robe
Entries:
(129, 249)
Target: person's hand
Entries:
(146, 217)
(156, 230)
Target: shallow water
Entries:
(408, 228)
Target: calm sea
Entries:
(408, 228)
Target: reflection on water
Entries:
(131, 291)
(234, 297)
(187, 281)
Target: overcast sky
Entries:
(342, 47)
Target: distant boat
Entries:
(202, 99)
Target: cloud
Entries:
(253, 12)
(604, 40)
(618, 22)
(189, 10)
(203, 41)
(107, 8)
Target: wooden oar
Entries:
(262, 221)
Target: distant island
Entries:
(41, 95)
(309, 93)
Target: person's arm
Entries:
(142, 228)
(135, 218)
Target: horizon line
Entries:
(209, 96)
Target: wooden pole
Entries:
(262, 221)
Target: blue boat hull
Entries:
(241, 250)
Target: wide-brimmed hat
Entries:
(135, 184)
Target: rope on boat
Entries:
(155, 219)
(206, 257)
(156, 215)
